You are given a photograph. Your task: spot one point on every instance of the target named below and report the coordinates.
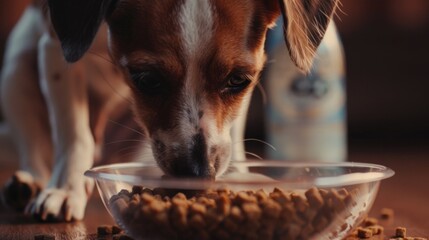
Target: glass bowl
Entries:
(254, 200)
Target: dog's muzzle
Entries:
(186, 160)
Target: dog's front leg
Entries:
(65, 89)
(26, 128)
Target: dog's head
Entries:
(190, 63)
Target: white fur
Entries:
(196, 25)
(68, 92)
(23, 111)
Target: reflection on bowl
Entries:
(255, 200)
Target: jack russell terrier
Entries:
(187, 68)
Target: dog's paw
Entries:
(19, 191)
(61, 204)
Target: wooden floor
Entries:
(407, 193)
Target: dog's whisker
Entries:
(142, 157)
(126, 140)
(145, 155)
(260, 141)
(134, 152)
(101, 56)
(126, 127)
(256, 140)
(106, 80)
(132, 147)
(126, 148)
(263, 93)
(254, 155)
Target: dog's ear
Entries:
(305, 23)
(76, 23)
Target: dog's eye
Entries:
(149, 82)
(237, 83)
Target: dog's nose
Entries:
(195, 162)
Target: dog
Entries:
(187, 68)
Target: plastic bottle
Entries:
(306, 114)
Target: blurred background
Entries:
(386, 44)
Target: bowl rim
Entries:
(381, 172)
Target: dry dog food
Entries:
(386, 213)
(370, 229)
(370, 222)
(400, 232)
(364, 232)
(116, 232)
(376, 229)
(225, 214)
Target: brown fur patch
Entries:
(147, 34)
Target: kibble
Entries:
(377, 231)
(386, 213)
(400, 232)
(226, 214)
(364, 233)
(370, 222)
